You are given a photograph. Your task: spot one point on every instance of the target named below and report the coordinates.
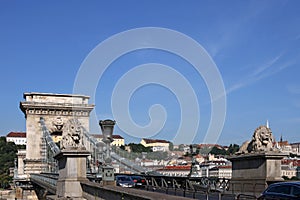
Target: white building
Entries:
(288, 171)
(156, 145)
(118, 140)
(221, 172)
(289, 167)
(217, 167)
(180, 170)
(19, 138)
(296, 148)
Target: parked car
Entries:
(124, 181)
(139, 181)
(282, 191)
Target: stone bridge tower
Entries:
(56, 109)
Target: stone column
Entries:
(72, 170)
(21, 156)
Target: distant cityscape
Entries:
(207, 160)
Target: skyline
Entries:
(253, 44)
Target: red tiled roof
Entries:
(221, 167)
(225, 166)
(295, 162)
(16, 134)
(117, 137)
(148, 141)
(209, 145)
(283, 143)
(101, 136)
(179, 167)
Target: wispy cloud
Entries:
(266, 66)
(230, 30)
(269, 68)
(275, 69)
(236, 87)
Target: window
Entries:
(282, 189)
(296, 191)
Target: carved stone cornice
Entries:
(65, 109)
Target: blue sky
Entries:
(254, 44)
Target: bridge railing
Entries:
(46, 181)
(131, 165)
(52, 149)
(46, 134)
(49, 149)
(194, 187)
(209, 184)
(135, 161)
(49, 178)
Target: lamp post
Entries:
(193, 170)
(99, 159)
(107, 127)
(143, 158)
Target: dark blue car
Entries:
(124, 181)
(282, 191)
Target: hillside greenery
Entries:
(139, 148)
(8, 153)
(232, 149)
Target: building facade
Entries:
(296, 148)
(178, 170)
(19, 138)
(288, 171)
(289, 167)
(156, 145)
(117, 139)
(221, 172)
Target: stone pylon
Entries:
(72, 170)
(56, 109)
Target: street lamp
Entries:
(99, 161)
(99, 153)
(107, 127)
(143, 158)
(193, 152)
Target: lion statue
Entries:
(72, 136)
(262, 140)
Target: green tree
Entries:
(8, 153)
(232, 149)
(218, 151)
(171, 146)
(285, 178)
(294, 178)
(139, 148)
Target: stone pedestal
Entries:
(108, 177)
(252, 172)
(72, 170)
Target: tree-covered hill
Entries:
(8, 153)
